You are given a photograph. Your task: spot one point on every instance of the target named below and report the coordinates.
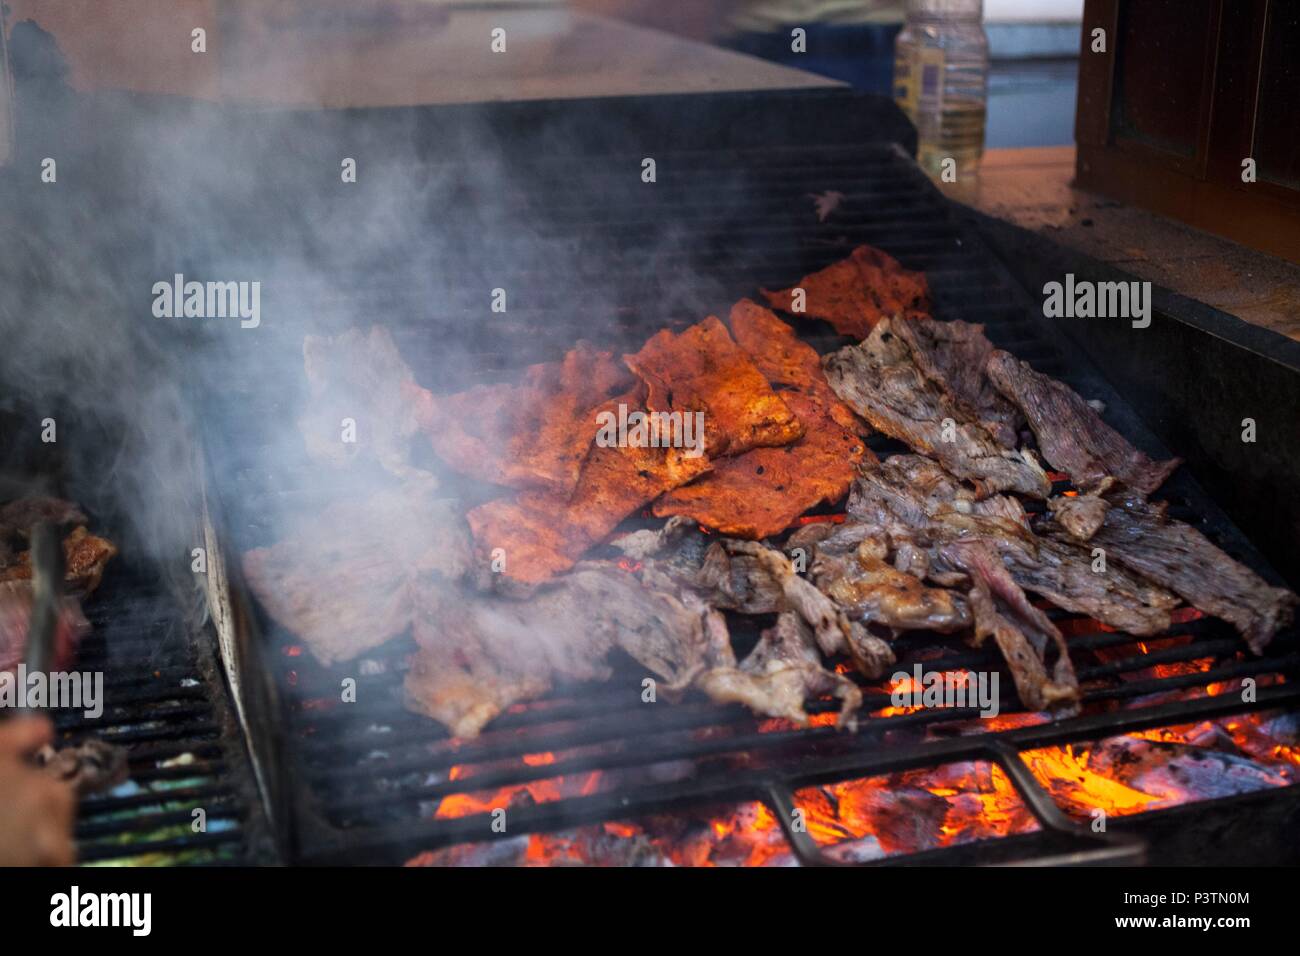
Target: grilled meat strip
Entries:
(699, 370)
(780, 674)
(16, 601)
(1022, 632)
(359, 375)
(345, 580)
(857, 292)
(787, 362)
(1137, 534)
(479, 657)
(17, 518)
(531, 435)
(834, 632)
(953, 355)
(913, 500)
(856, 576)
(998, 605)
(762, 492)
(703, 370)
(84, 558)
(752, 578)
(1081, 515)
(542, 535)
(882, 383)
(1070, 433)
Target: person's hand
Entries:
(36, 810)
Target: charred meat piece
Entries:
(751, 578)
(92, 766)
(17, 518)
(856, 293)
(344, 580)
(16, 601)
(788, 363)
(1065, 573)
(1022, 632)
(780, 674)
(1081, 515)
(703, 370)
(1071, 434)
(930, 525)
(359, 375)
(478, 657)
(542, 535)
(952, 355)
(873, 591)
(883, 384)
(1138, 535)
(908, 499)
(834, 632)
(532, 435)
(84, 558)
(762, 492)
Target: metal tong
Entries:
(47, 598)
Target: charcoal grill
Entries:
(363, 781)
(554, 210)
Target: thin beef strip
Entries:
(914, 500)
(880, 380)
(952, 355)
(1139, 535)
(1070, 433)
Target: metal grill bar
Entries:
(160, 707)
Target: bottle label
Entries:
(925, 91)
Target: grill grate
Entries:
(161, 705)
(366, 778)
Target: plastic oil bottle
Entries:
(941, 67)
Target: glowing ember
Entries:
(914, 811)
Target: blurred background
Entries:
(1033, 45)
(423, 50)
